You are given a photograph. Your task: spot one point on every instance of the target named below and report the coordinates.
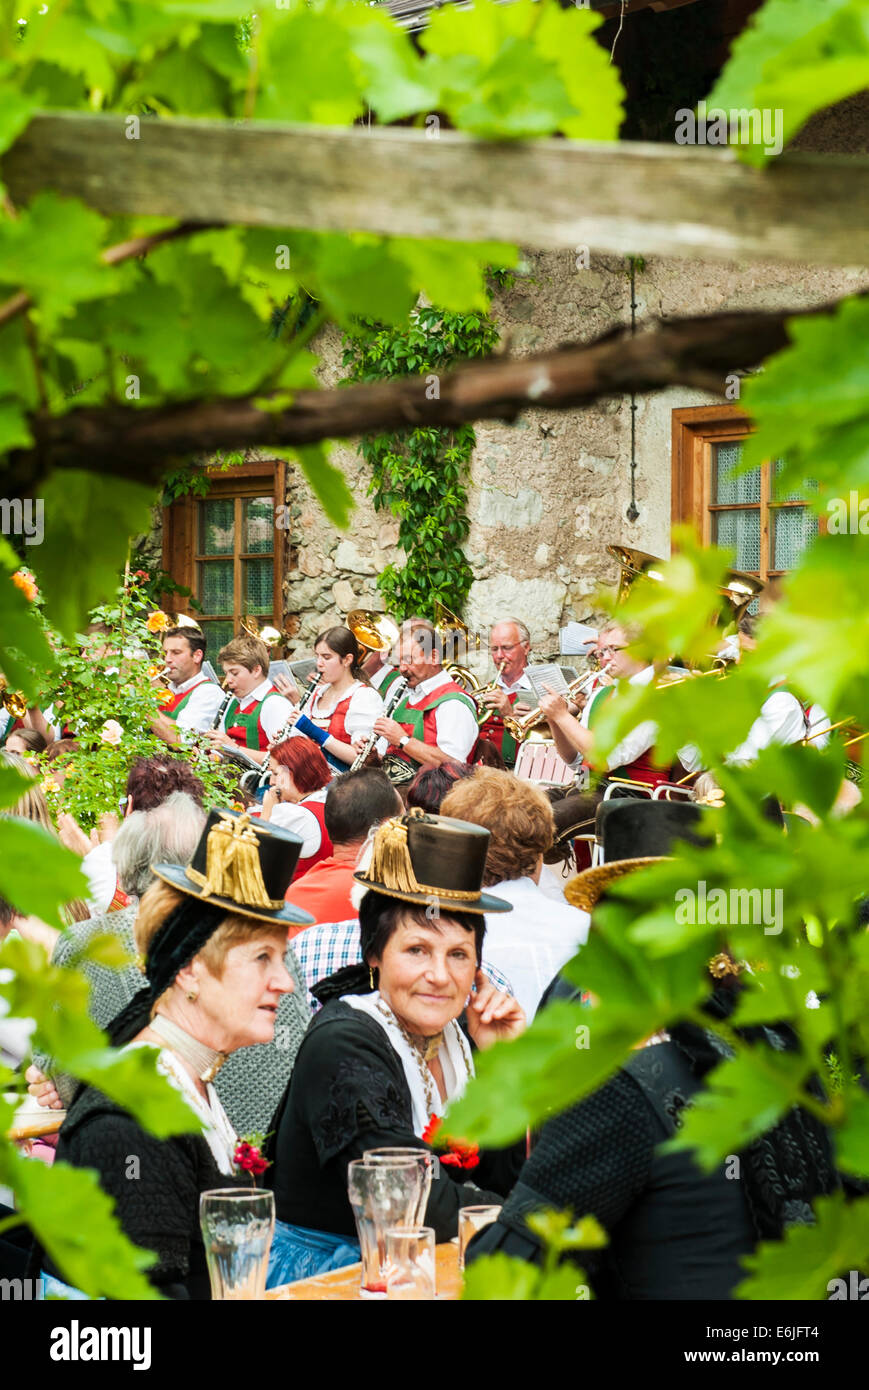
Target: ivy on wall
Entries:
(420, 475)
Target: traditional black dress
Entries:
(674, 1231)
(349, 1093)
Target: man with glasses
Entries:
(509, 646)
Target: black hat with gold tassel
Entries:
(243, 867)
(422, 858)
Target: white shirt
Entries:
(380, 676)
(102, 876)
(294, 816)
(198, 714)
(274, 713)
(456, 727)
(781, 720)
(523, 683)
(532, 943)
(635, 743)
(365, 706)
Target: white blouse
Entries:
(365, 706)
(217, 1131)
(296, 817)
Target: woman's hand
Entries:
(71, 835)
(270, 801)
(42, 1089)
(493, 1016)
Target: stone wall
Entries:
(549, 492)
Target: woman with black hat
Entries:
(385, 1056)
(212, 938)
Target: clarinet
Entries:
(396, 694)
(224, 706)
(284, 733)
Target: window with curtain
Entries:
(226, 548)
(749, 513)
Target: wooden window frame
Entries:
(180, 541)
(695, 430)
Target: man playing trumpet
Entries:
(193, 699)
(509, 646)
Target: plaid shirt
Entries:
(323, 949)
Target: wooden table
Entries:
(342, 1285)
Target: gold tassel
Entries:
(390, 862)
(232, 868)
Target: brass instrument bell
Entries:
(376, 632)
(12, 700)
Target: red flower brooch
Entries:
(248, 1157)
(457, 1154)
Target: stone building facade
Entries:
(549, 492)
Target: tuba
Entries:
(376, 632)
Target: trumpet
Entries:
(483, 711)
(520, 729)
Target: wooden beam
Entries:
(663, 200)
(117, 440)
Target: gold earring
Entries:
(193, 995)
(371, 976)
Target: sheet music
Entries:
(541, 676)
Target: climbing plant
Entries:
(421, 475)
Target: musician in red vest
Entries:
(436, 721)
(509, 645)
(296, 798)
(194, 699)
(340, 714)
(256, 713)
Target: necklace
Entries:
(424, 1050)
(205, 1060)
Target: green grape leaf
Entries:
(452, 274)
(14, 429)
(309, 71)
(68, 43)
(93, 1254)
(570, 1050)
(823, 603)
(52, 251)
(500, 1278)
(795, 57)
(57, 998)
(742, 1099)
(395, 83)
(92, 518)
(354, 275)
(37, 874)
(852, 1140)
(592, 82)
(183, 82)
(816, 385)
(16, 110)
(13, 785)
(808, 1259)
(327, 482)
